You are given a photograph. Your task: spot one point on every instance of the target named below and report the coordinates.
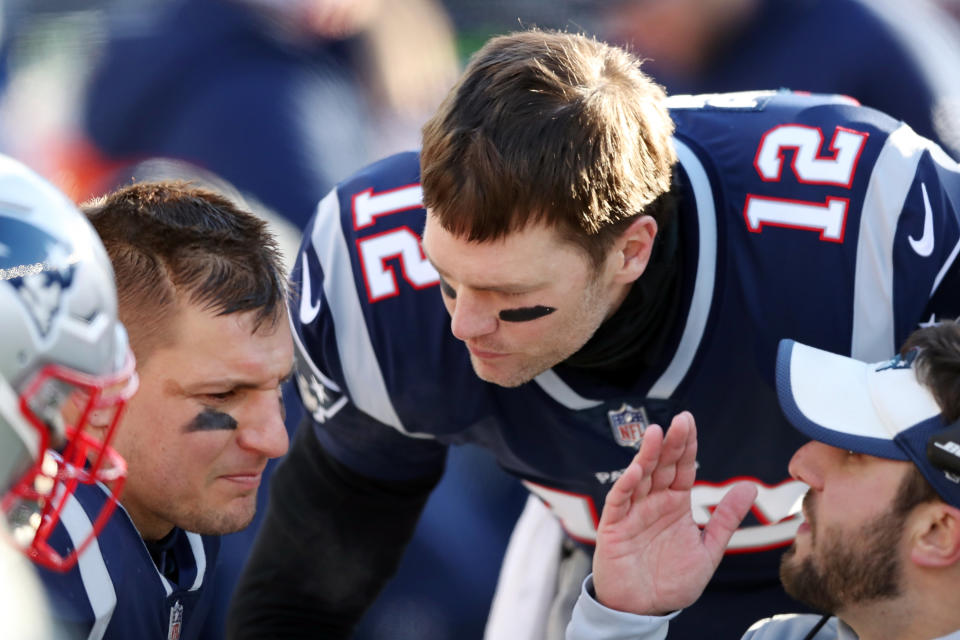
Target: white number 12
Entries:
(809, 167)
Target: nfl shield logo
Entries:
(176, 621)
(628, 425)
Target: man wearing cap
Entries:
(879, 552)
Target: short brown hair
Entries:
(171, 241)
(938, 364)
(549, 127)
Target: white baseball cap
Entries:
(878, 409)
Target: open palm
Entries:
(651, 557)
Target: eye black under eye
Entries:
(212, 420)
(446, 289)
(525, 314)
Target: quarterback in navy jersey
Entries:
(787, 215)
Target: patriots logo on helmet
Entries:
(38, 266)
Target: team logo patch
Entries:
(320, 395)
(900, 362)
(628, 424)
(39, 268)
(176, 621)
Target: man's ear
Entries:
(635, 246)
(934, 528)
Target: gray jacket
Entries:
(592, 621)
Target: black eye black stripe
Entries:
(211, 419)
(525, 314)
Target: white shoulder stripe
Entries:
(696, 322)
(946, 267)
(361, 370)
(93, 569)
(872, 337)
(199, 557)
(561, 392)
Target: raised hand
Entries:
(651, 557)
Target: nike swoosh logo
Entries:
(308, 310)
(924, 246)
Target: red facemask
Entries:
(35, 503)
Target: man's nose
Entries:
(809, 463)
(265, 432)
(472, 316)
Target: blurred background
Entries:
(275, 101)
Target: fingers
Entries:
(663, 462)
(622, 494)
(727, 517)
(676, 468)
(650, 449)
(635, 483)
(687, 465)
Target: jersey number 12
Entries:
(809, 167)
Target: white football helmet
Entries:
(66, 370)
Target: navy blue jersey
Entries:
(116, 591)
(801, 216)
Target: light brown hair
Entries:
(937, 366)
(171, 242)
(548, 127)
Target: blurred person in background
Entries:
(65, 365)
(281, 98)
(898, 57)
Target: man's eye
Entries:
(225, 395)
(446, 289)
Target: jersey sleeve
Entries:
(345, 501)
(348, 356)
(847, 217)
(908, 242)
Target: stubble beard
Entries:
(218, 522)
(849, 569)
(581, 328)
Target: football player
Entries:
(595, 257)
(202, 290)
(64, 365)
(879, 552)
